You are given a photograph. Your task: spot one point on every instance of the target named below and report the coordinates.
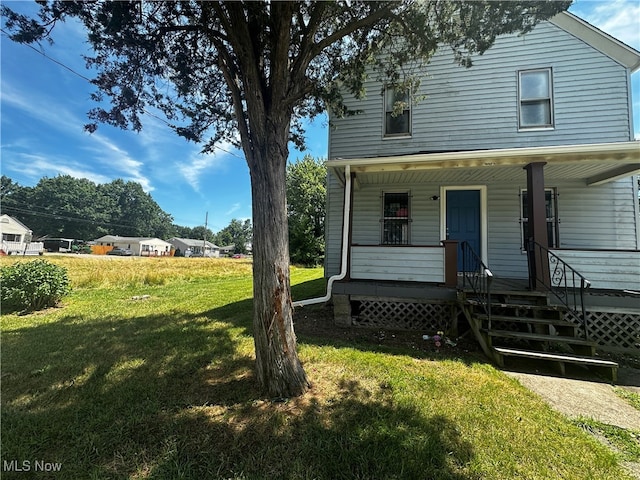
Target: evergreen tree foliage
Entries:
(306, 203)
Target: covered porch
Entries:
(420, 277)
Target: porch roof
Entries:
(594, 163)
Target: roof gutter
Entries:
(345, 244)
(621, 152)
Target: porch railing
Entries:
(479, 278)
(563, 281)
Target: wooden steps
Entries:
(538, 337)
(550, 326)
(559, 359)
(524, 325)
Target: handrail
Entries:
(479, 277)
(566, 284)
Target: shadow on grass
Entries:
(310, 289)
(351, 437)
(174, 396)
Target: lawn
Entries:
(146, 372)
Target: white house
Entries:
(16, 238)
(527, 160)
(196, 248)
(141, 246)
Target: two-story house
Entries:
(520, 171)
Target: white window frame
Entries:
(549, 99)
(388, 217)
(553, 220)
(407, 111)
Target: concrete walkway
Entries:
(587, 398)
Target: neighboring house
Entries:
(527, 159)
(196, 248)
(16, 238)
(230, 249)
(140, 246)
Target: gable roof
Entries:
(193, 242)
(601, 41)
(8, 221)
(117, 238)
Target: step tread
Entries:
(529, 306)
(543, 321)
(539, 336)
(561, 357)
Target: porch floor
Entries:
(501, 286)
(504, 285)
(393, 289)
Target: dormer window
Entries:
(397, 113)
(535, 91)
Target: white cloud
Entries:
(234, 208)
(37, 166)
(41, 108)
(199, 163)
(120, 161)
(618, 18)
(103, 150)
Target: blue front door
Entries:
(463, 219)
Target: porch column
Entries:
(450, 262)
(537, 214)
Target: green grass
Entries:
(162, 387)
(631, 398)
(625, 442)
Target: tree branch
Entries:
(310, 49)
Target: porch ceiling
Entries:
(595, 164)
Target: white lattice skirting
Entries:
(615, 330)
(395, 314)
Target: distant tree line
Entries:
(68, 207)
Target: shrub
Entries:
(29, 286)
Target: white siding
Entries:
(333, 225)
(608, 270)
(409, 264)
(476, 108)
(600, 217)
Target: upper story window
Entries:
(395, 219)
(397, 113)
(535, 91)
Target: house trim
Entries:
(607, 156)
(483, 214)
(601, 41)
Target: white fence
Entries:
(21, 248)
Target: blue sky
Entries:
(43, 110)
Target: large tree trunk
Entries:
(279, 370)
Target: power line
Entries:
(57, 216)
(87, 79)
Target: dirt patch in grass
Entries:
(315, 323)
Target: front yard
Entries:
(146, 372)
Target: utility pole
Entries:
(204, 234)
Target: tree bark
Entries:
(279, 370)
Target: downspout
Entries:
(345, 244)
